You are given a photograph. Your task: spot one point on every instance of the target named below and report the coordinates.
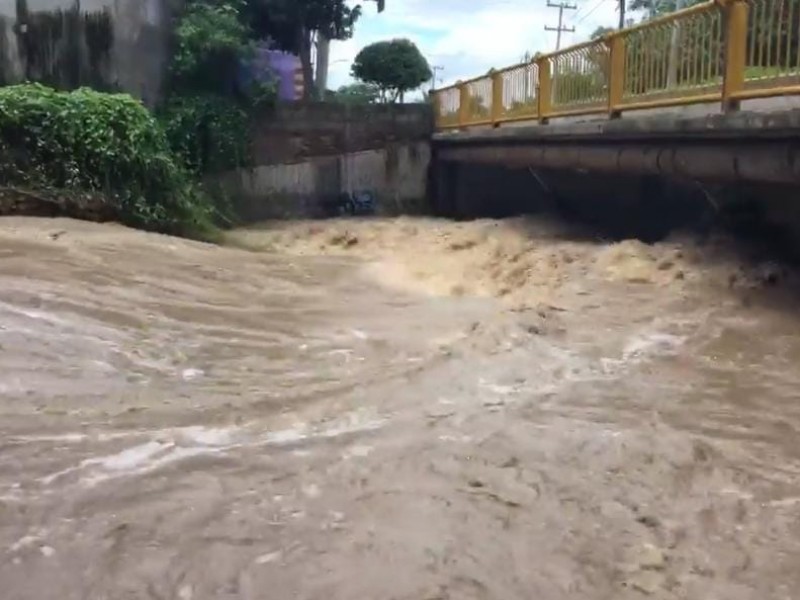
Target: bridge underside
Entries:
(642, 177)
(741, 147)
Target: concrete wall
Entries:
(307, 155)
(293, 132)
(396, 175)
(108, 44)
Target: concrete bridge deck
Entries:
(755, 145)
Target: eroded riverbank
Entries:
(395, 409)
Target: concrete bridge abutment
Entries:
(629, 177)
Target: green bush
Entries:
(88, 141)
(210, 43)
(205, 114)
(208, 132)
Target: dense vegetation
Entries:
(74, 147)
(206, 110)
(91, 143)
(66, 147)
(293, 25)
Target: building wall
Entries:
(107, 44)
(282, 68)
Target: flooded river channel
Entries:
(403, 409)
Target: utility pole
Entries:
(435, 69)
(622, 14)
(561, 6)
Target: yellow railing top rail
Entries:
(671, 17)
(705, 53)
(519, 65)
(574, 48)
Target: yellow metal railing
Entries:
(719, 51)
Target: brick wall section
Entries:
(292, 133)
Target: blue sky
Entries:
(469, 37)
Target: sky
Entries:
(468, 37)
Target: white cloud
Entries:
(468, 37)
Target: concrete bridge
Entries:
(706, 94)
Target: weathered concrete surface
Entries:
(294, 132)
(396, 175)
(748, 124)
(308, 155)
(136, 60)
(746, 146)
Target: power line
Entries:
(561, 6)
(581, 8)
(590, 13)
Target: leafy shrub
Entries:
(262, 94)
(98, 143)
(205, 114)
(208, 132)
(210, 43)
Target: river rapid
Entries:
(405, 409)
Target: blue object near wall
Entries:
(352, 204)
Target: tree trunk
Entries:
(304, 44)
(323, 57)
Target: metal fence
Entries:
(719, 51)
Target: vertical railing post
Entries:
(463, 104)
(544, 98)
(497, 97)
(616, 74)
(735, 19)
(436, 99)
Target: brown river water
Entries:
(395, 409)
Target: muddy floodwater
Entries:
(402, 409)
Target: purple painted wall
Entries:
(270, 64)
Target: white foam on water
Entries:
(25, 542)
(172, 455)
(286, 436)
(357, 451)
(69, 438)
(139, 459)
(268, 558)
(191, 374)
(495, 388)
(651, 344)
(208, 437)
(128, 459)
(36, 315)
(640, 348)
(169, 446)
(348, 428)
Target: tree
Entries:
(357, 93)
(600, 32)
(656, 8)
(211, 40)
(292, 25)
(395, 67)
